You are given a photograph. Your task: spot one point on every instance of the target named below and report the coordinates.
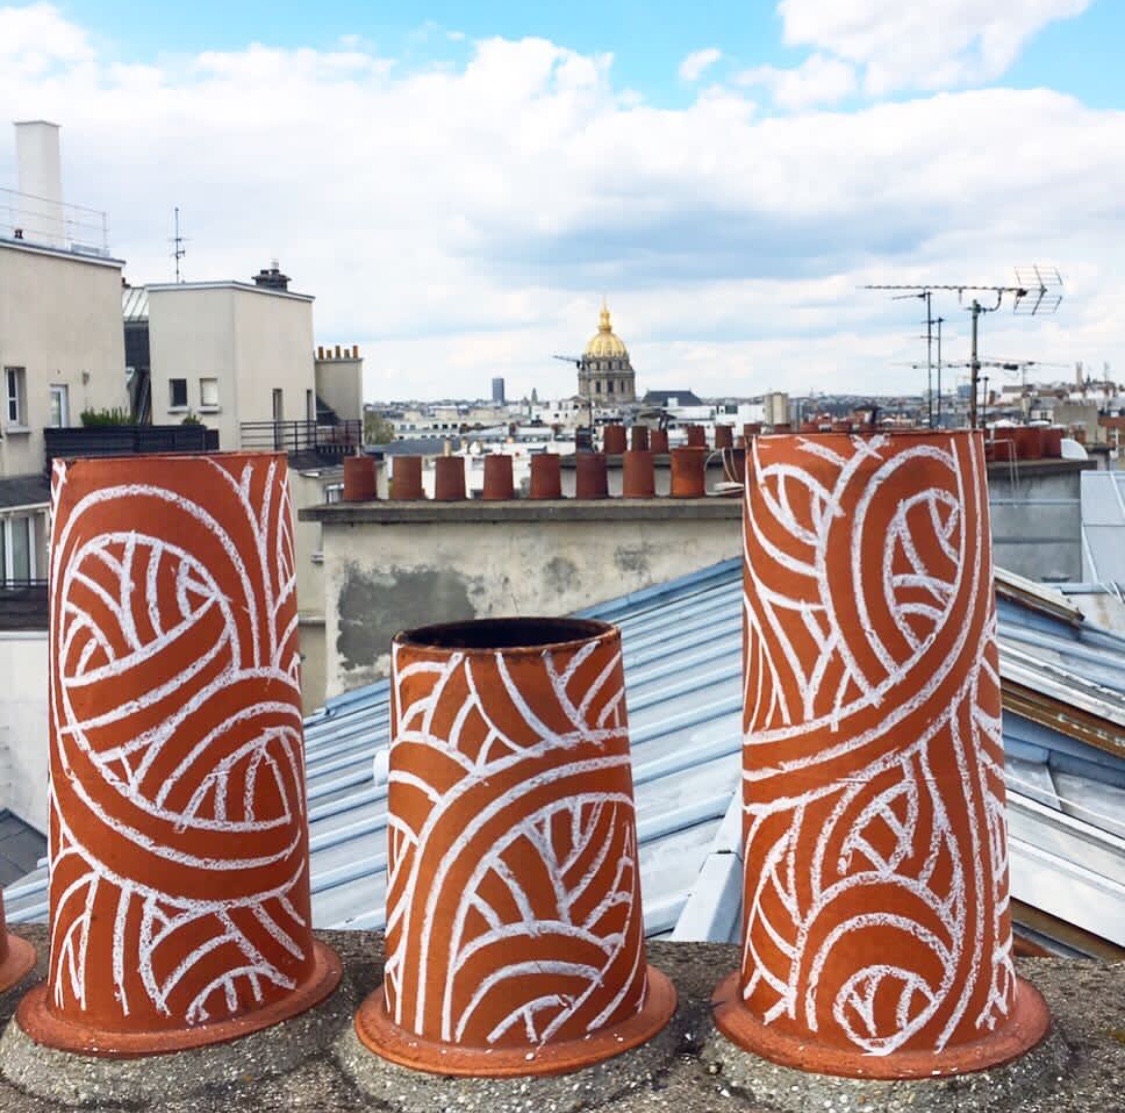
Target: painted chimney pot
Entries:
(877, 938)
(179, 888)
(515, 938)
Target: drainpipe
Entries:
(877, 940)
(515, 942)
(179, 890)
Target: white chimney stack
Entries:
(39, 181)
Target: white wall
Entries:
(60, 319)
(23, 723)
(252, 340)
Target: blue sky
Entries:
(459, 184)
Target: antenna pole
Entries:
(974, 364)
(938, 322)
(928, 295)
(178, 249)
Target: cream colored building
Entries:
(62, 351)
(231, 353)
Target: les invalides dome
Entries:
(605, 374)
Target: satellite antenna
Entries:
(1038, 290)
(178, 241)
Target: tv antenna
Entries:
(178, 241)
(1038, 290)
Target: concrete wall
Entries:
(391, 567)
(252, 340)
(1037, 518)
(23, 724)
(60, 320)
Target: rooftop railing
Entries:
(46, 223)
(331, 441)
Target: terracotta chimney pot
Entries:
(696, 436)
(515, 943)
(689, 472)
(724, 436)
(877, 938)
(406, 478)
(449, 478)
(613, 439)
(498, 483)
(546, 476)
(638, 438)
(658, 442)
(590, 478)
(179, 891)
(17, 956)
(639, 475)
(360, 479)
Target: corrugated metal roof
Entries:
(682, 648)
(1103, 519)
(134, 303)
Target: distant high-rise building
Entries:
(605, 374)
(498, 391)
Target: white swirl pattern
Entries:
(179, 887)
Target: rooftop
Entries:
(315, 1062)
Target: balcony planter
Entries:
(179, 889)
(876, 935)
(514, 932)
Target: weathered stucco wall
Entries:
(23, 724)
(1037, 518)
(408, 565)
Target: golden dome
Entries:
(605, 344)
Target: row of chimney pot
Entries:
(591, 481)
(890, 982)
(341, 353)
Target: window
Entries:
(177, 394)
(15, 394)
(609, 387)
(60, 407)
(208, 394)
(17, 551)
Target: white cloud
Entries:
(819, 80)
(463, 221)
(697, 62)
(938, 44)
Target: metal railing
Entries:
(47, 223)
(332, 441)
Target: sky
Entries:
(460, 184)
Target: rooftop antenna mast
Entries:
(1038, 290)
(178, 241)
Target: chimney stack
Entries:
(271, 278)
(39, 182)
